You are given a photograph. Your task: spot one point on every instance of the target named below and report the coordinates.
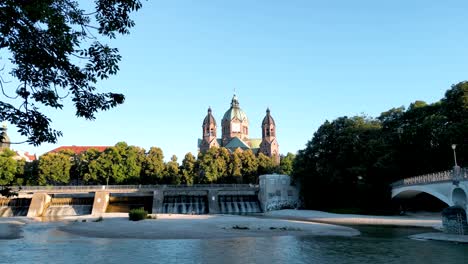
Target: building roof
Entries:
(236, 143)
(235, 112)
(209, 119)
(255, 143)
(79, 149)
(24, 155)
(268, 120)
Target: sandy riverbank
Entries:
(201, 227)
(351, 219)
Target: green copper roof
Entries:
(235, 111)
(236, 143)
(255, 142)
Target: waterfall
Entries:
(185, 204)
(239, 204)
(14, 207)
(69, 206)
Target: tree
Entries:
(53, 45)
(83, 165)
(8, 167)
(286, 164)
(118, 164)
(54, 168)
(171, 172)
(188, 169)
(249, 166)
(213, 165)
(266, 165)
(235, 166)
(153, 166)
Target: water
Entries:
(123, 204)
(69, 206)
(42, 243)
(239, 204)
(185, 204)
(14, 207)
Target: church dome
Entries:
(235, 112)
(209, 119)
(268, 120)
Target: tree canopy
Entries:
(352, 160)
(55, 51)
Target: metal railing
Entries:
(127, 187)
(443, 176)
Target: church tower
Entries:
(209, 132)
(4, 139)
(269, 145)
(235, 123)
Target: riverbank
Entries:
(200, 227)
(351, 219)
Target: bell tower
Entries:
(209, 132)
(269, 145)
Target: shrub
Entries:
(137, 214)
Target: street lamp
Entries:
(454, 146)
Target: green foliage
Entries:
(153, 166)
(352, 160)
(117, 165)
(54, 168)
(188, 169)
(249, 166)
(266, 165)
(8, 167)
(171, 171)
(286, 164)
(137, 214)
(48, 45)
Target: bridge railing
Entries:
(433, 177)
(126, 187)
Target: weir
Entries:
(123, 203)
(239, 204)
(14, 207)
(185, 204)
(40, 201)
(69, 206)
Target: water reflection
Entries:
(42, 242)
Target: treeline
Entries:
(351, 161)
(124, 164)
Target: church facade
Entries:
(235, 133)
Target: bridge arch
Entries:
(412, 191)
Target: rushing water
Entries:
(42, 243)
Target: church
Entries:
(235, 133)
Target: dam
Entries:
(273, 192)
(52, 201)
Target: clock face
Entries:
(236, 127)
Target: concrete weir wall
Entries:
(101, 200)
(196, 199)
(39, 203)
(211, 194)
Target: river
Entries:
(42, 243)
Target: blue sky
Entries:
(308, 61)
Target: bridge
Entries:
(451, 187)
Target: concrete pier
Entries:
(101, 200)
(39, 203)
